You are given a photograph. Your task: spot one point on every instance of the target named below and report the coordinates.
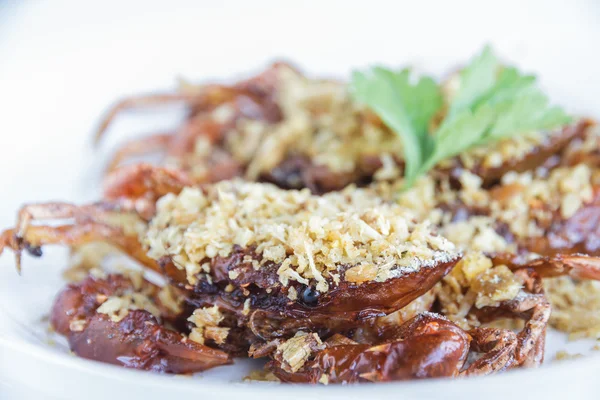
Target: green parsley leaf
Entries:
(403, 105)
(461, 132)
(475, 81)
(492, 102)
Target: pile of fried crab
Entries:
(280, 229)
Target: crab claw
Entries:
(427, 346)
(135, 340)
(138, 341)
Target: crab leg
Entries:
(137, 187)
(58, 210)
(140, 102)
(498, 346)
(73, 235)
(538, 309)
(530, 305)
(175, 143)
(198, 98)
(578, 266)
(92, 223)
(183, 142)
(140, 146)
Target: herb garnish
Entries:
(492, 102)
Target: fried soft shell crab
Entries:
(333, 283)
(249, 296)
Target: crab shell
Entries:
(261, 299)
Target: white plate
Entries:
(64, 62)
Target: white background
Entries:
(63, 62)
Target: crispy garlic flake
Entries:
(311, 238)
